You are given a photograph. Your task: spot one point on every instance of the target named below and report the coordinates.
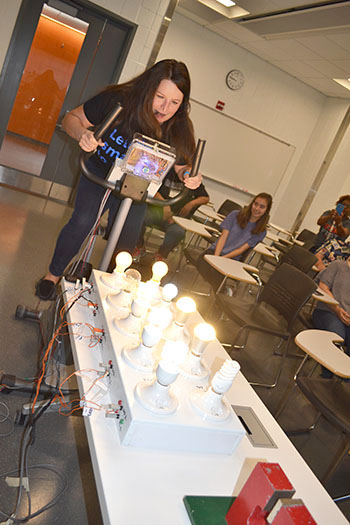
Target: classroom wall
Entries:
(8, 15)
(147, 14)
(270, 100)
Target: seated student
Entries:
(333, 225)
(335, 280)
(163, 216)
(241, 231)
(334, 250)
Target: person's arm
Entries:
(221, 242)
(337, 309)
(338, 221)
(183, 173)
(187, 208)
(237, 251)
(319, 263)
(341, 230)
(325, 217)
(76, 125)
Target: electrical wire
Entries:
(6, 417)
(45, 507)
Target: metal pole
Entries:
(115, 233)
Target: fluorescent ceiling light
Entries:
(226, 3)
(220, 7)
(345, 82)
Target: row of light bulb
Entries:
(175, 355)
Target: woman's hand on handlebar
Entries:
(88, 142)
(192, 183)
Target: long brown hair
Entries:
(137, 114)
(244, 215)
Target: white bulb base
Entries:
(193, 368)
(120, 302)
(156, 398)
(176, 332)
(140, 357)
(210, 405)
(113, 280)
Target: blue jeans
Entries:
(87, 203)
(173, 232)
(327, 320)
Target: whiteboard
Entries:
(237, 154)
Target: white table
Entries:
(210, 213)
(263, 249)
(194, 227)
(319, 344)
(323, 297)
(280, 229)
(231, 268)
(147, 486)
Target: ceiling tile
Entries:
(236, 31)
(324, 47)
(297, 68)
(342, 39)
(326, 67)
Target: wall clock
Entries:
(234, 79)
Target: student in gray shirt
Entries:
(335, 280)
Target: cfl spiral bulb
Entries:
(211, 403)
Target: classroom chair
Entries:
(331, 400)
(275, 311)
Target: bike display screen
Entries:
(148, 158)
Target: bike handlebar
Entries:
(112, 185)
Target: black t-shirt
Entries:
(115, 139)
(171, 183)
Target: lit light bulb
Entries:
(157, 397)
(184, 307)
(123, 260)
(170, 291)
(160, 317)
(159, 269)
(116, 278)
(173, 354)
(193, 368)
(205, 332)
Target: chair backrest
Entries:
(227, 206)
(287, 290)
(306, 235)
(299, 257)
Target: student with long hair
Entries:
(156, 104)
(240, 231)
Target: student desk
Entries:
(210, 213)
(145, 486)
(231, 268)
(319, 344)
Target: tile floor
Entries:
(30, 226)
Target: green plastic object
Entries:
(208, 510)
